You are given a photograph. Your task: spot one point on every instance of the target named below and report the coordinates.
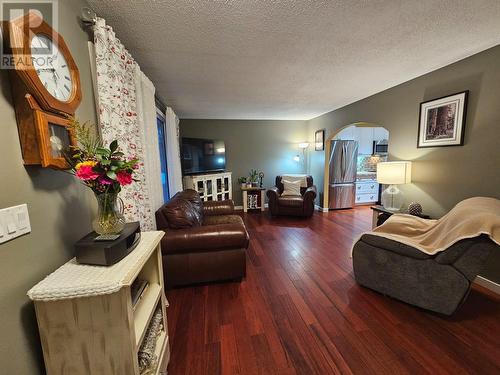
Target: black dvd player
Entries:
(106, 253)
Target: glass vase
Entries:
(110, 219)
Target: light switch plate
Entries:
(14, 222)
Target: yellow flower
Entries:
(90, 163)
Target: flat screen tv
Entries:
(202, 155)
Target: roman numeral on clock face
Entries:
(54, 74)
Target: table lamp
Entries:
(393, 173)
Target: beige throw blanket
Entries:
(469, 218)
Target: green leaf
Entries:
(111, 175)
(102, 151)
(113, 146)
(106, 162)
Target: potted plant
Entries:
(243, 182)
(253, 177)
(104, 170)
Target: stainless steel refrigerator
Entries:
(343, 166)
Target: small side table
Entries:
(381, 214)
(250, 203)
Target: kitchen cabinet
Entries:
(364, 136)
(366, 191)
(380, 134)
(365, 140)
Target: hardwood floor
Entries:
(299, 311)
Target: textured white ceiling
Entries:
(251, 59)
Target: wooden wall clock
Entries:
(46, 90)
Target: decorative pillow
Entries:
(291, 187)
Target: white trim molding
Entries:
(488, 284)
(320, 209)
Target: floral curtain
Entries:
(120, 117)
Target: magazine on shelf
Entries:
(137, 291)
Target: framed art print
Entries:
(319, 140)
(442, 121)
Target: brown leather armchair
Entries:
(203, 241)
(302, 205)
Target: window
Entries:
(162, 144)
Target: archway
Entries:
(328, 148)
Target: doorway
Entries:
(371, 142)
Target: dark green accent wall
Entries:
(59, 210)
(441, 176)
(265, 145)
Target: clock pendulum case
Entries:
(45, 88)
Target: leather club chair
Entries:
(302, 205)
(204, 241)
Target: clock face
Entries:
(51, 67)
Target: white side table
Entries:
(259, 203)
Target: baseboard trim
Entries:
(320, 209)
(488, 284)
(240, 208)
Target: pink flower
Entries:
(103, 180)
(124, 178)
(86, 173)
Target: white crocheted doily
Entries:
(74, 280)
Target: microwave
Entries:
(380, 147)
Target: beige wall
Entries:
(442, 176)
(267, 146)
(58, 209)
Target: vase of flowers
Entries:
(110, 219)
(104, 170)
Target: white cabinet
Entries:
(211, 187)
(89, 323)
(364, 136)
(365, 140)
(366, 191)
(253, 198)
(380, 134)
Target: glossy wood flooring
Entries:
(299, 311)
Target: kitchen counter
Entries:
(363, 175)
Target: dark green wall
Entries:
(267, 146)
(59, 210)
(441, 176)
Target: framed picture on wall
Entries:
(319, 140)
(442, 121)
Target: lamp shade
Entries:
(394, 172)
(303, 145)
